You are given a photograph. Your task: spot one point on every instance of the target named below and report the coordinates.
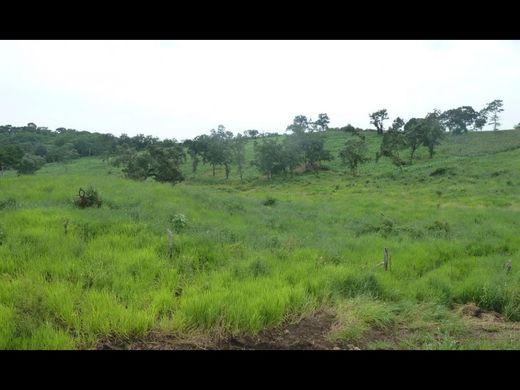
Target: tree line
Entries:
(28, 148)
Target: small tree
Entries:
(238, 147)
(392, 143)
(377, 119)
(494, 108)
(413, 134)
(322, 123)
(354, 153)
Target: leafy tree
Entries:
(393, 142)
(251, 133)
(459, 119)
(432, 134)
(161, 163)
(269, 157)
(354, 153)
(378, 118)
(29, 164)
(165, 163)
(139, 167)
(414, 134)
(300, 125)
(313, 147)
(322, 123)
(238, 148)
(517, 127)
(494, 108)
(10, 156)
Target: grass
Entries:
(239, 267)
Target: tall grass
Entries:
(239, 266)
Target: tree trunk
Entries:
(213, 170)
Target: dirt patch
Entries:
(309, 333)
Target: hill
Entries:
(260, 258)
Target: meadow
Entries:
(258, 254)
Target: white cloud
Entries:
(184, 88)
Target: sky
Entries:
(181, 89)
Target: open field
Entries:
(247, 272)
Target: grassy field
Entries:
(451, 224)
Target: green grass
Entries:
(241, 266)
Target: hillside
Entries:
(245, 271)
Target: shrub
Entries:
(179, 222)
(9, 203)
(269, 201)
(2, 235)
(88, 198)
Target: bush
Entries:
(9, 203)
(88, 198)
(179, 222)
(2, 235)
(30, 164)
(269, 201)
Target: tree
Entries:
(481, 119)
(378, 118)
(322, 123)
(161, 163)
(165, 166)
(432, 134)
(494, 108)
(313, 147)
(269, 158)
(300, 125)
(393, 142)
(251, 133)
(517, 127)
(459, 119)
(238, 147)
(354, 153)
(10, 156)
(413, 132)
(29, 164)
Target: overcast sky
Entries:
(180, 89)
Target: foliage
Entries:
(377, 119)
(354, 153)
(29, 164)
(179, 222)
(88, 198)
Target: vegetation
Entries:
(251, 252)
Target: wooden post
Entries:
(66, 226)
(386, 259)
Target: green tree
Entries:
(269, 158)
(29, 164)
(238, 147)
(494, 108)
(413, 132)
(322, 123)
(300, 125)
(354, 153)
(459, 119)
(391, 145)
(378, 118)
(10, 156)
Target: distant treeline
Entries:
(28, 148)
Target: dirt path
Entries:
(310, 333)
(307, 334)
